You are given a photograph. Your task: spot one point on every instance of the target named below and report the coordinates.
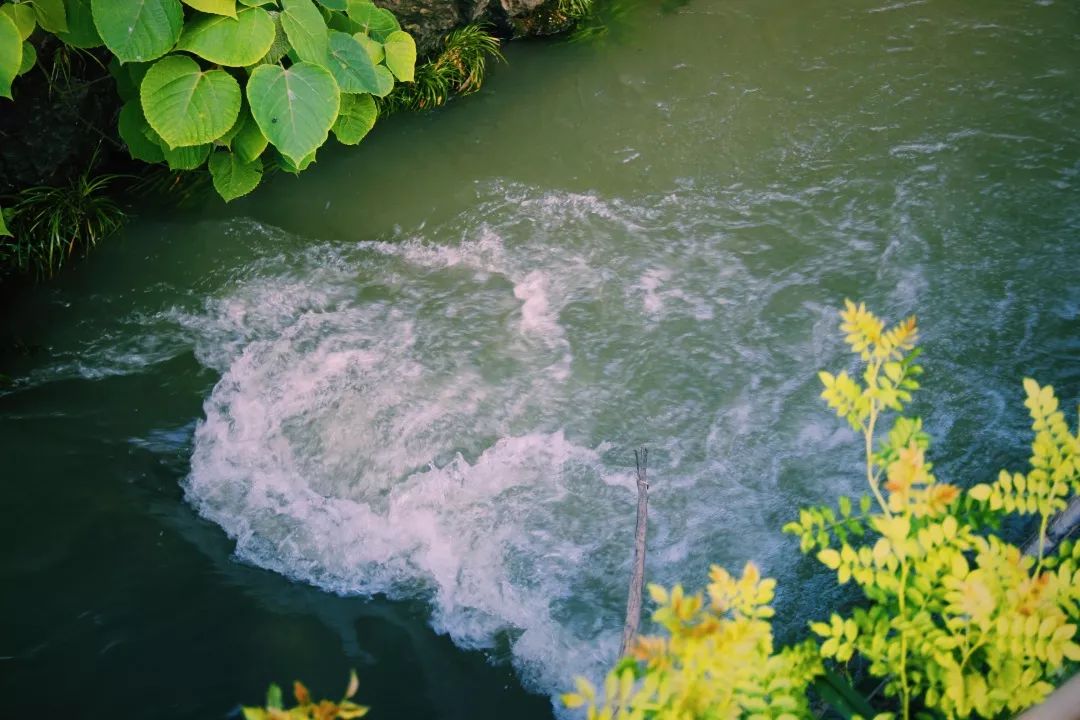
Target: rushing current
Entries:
(409, 383)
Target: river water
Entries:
(382, 415)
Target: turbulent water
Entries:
(421, 369)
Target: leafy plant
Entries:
(457, 68)
(716, 660)
(306, 708)
(956, 621)
(227, 85)
(51, 223)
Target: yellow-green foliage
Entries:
(956, 621)
(306, 708)
(716, 660)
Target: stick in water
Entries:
(637, 578)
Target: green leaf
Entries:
(3, 225)
(306, 30)
(132, 127)
(232, 177)
(128, 78)
(280, 47)
(356, 118)
(215, 7)
(341, 5)
(249, 142)
(375, 21)
(236, 42)
(837, 692)
(295, 168)
(186, 105)
(29, 58)
(294, 108)
(11, 50)
(187, 158)
(342, 22)
(374, 47)
(352, 66)
(81, 32)
(22, 16)
(400, 55)
(845, 505)
(138, 30)
(51, 15)
(273, 696)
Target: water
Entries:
(383, 415)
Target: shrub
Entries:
(231, 86)
(955, 621)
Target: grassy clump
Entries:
(458, 68)
(50, 224)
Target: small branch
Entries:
(637, 577)
(1064, 524)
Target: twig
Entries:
(637, 577)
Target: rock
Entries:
(429, 20)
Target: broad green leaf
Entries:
(51, 15)
(294, 108)
(249, 143)
(351, 65)
(342, 22)
(187, 158)
(138, 30)
(215, 7)
(81, 32)
(132, 127)
(128, 78)
(374, 47)
(400, 55)
(295, 168)
(236, 42)
(375, 21)
(341, 5)
(3, 224)
(29, 58)
(306, 30)
(226, 139)
(22, 16)
(11, 50)
(186, 105)
(233, 177)
(258, 3)
(356, 118)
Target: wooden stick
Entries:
(637, 577)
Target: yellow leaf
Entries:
(980, 492)
(829, 558)
(573, 700)
(354, 684)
